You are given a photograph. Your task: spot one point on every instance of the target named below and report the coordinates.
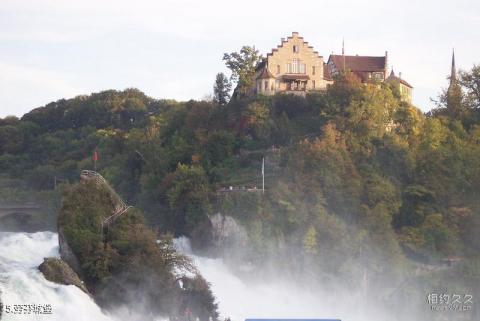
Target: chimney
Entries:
(283, 40)
(400, 75)
(294, 34)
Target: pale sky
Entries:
(52, 49)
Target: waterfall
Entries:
(238, 296)
(21, 282)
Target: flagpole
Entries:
(95, 157)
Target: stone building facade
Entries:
(404, 87)
(293, 67)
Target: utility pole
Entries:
(263, 175)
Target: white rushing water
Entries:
(239, 299)
(22, 283)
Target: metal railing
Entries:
(88, 174)
(120, 206)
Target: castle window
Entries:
(296, 49)
(378, 76)
(295, 66)
(302, 68)
(278, 69)
(313, 84)
(265, 82)
(313, 70)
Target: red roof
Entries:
(359, 63)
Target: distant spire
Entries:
(343, 53)
(453, 74)
(454, 92)
(392, 73)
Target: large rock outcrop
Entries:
(56, 270)
(67, 254)
(124, 260)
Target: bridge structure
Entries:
(120, 207)
(28, 209)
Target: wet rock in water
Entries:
(56, 270)
(227, 232)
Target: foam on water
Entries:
(238, 298)
(22, 283)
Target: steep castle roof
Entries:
(265, 74)
(360, 63)
(394, 77)
(294, 34)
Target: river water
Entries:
(22, 283)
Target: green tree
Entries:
(11, 139)
(454, 99)
(310, 240)
(255, 117)
(242, 64)
(221, 89)
(188, 196)
(470, 81)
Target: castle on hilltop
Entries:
(294, 67)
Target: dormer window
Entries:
(296, 49)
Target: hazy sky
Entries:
(52, 49)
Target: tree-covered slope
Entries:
(349, 171)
